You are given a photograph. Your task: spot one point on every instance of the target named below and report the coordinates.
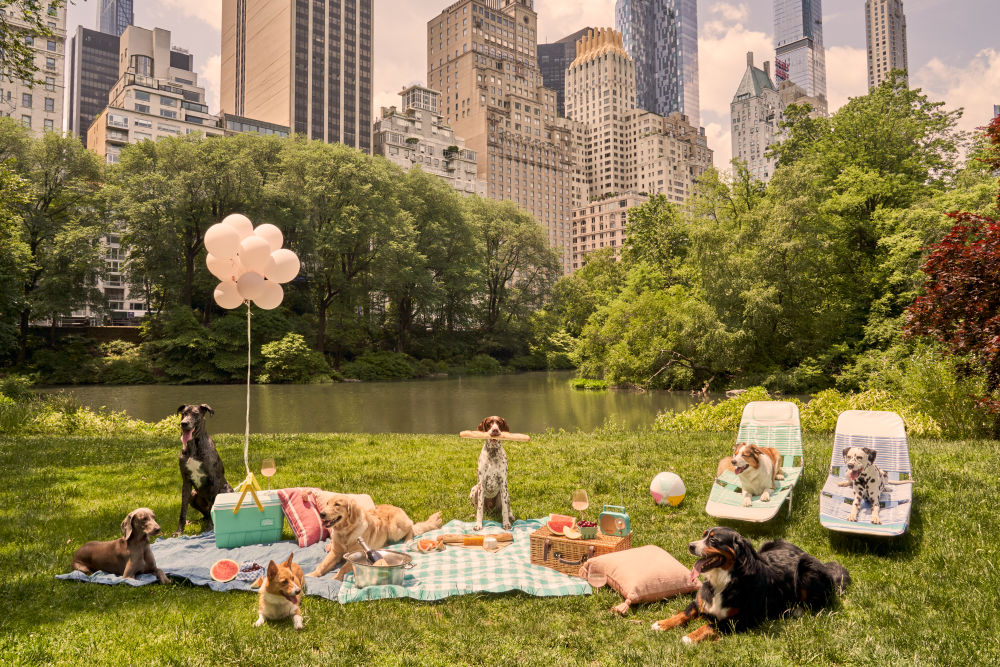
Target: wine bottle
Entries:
(372, 556)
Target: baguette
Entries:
(504, 435)
(459, 538)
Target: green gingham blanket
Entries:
(460, 571)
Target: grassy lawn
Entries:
(930, 597)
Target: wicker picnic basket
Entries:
(565, 555)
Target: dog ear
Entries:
(127, 525)
(272, 570)
(844, 453)
(502, 423)
(205, 407)
(871, 454)
(181, 408)
(353, 510)
(288, 563)
(311, 498)
(482, 424)
(736, 449)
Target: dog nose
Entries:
(733, 461)
(322, 515)
(691, 548)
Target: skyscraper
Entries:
(115, 16)
(553, 59)
(662, 38)
(885, 33)
(482, 58)
(755, 114)
(305, 64)
(798, 44)
(93, 64)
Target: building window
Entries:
(26, 121)
(167, 113)
(26, 100)
(48, 124)
(50, 63)
(167, 101)
(142, 95)
(50, 104)
(144, 108)
(50, 83)
(50, 45)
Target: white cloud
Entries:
(974, 86)
(729, 12)
(846, 75)
(208, 11)
(208, 76)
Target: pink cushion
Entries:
(303, 515)
(643, 574)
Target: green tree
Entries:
(657, 234)
(433, 277)
(59, 224)
(14, 254)
(575, 297)
(166, 194)
(349, 227)
(517, 264)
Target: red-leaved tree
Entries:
(960, 306)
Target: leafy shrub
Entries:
(431, 367)
(588, 384)
(291, 360)
(483, 364)
(717, 416)
(375, 366)
(73, 362)
(123, 363)
(17, 387)
(536, 360)
(182, 350)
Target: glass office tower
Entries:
(798, 43)
(661, 36)
(115, 16)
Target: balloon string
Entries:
(246, 434)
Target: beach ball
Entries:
(667, 489)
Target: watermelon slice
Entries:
(557, 522)
(224, 570)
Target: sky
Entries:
(954, 53)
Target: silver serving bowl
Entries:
(381, 575)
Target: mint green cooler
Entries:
(249, 525)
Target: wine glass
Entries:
(580, 501)
(596, 577)
(267, 469)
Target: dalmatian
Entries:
(869, 481)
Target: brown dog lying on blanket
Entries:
(127, 556)
(347, 521)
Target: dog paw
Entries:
(178, 533)
(314, 573)
(747, 502)
(853, 516)
(876, 520)
(507, 525)
(297, 622)
(764, 497)
(259, 622)
(329, 546)
(656, 626)
(478, 526)
(687, 640)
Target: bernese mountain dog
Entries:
(744, 587)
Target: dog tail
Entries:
(433, 522)
(902, 481)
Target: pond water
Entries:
(531, 402)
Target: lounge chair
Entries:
(765, 424)
(886, 434)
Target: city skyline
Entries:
(952, 62)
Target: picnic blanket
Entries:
(190, 557)
(460, 571)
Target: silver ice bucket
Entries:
(380, 575)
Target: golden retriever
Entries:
(347, 521)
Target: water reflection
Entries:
(531, 402)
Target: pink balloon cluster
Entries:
(250, 262)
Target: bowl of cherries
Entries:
(588, 529)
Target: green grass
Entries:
(930, 597)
